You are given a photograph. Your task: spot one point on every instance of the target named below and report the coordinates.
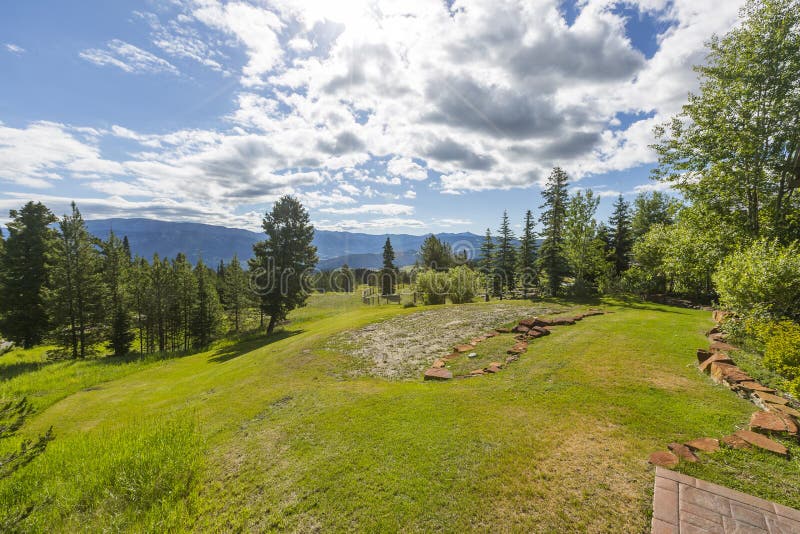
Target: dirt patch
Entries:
(402, 347)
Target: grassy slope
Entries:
(276, 438)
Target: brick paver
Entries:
(682, 504)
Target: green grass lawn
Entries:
(270, 434)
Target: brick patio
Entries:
(682, 504)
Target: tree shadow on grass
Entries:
(250, 344)
(7, 372)
(638, 304)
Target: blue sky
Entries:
(380, 116)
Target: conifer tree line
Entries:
(61, 285)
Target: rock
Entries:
(577, 318)
(721, 346)
(465, 347)
(502, 330)
(715, 330)
(729, 374)
(664, 459)
(512, 358)
(763, 396)
(519, 348)
(477, 340)
(719, 315)
(735, 442)
(533, 334)
(705, 366)
(472, 355)
(751, 386)
(718, 336)
(452, 356)
(438, 363)
(438, 374)
(782, 408)
(542, 322)
(703, 444)
(521, 329)
(683, 452)
(542, 330)
(528, 322)
(769, 422)
(562, 322)
(592, 313)
(477, 372)
(492, 368)
(702, 355)
(487, 335)
(762, 442)
(521, 337)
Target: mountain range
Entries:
(218, 243)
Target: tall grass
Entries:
(136, 477)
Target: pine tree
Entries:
(527, 254)
(436, 254)
(506, 256)
(487, 264)
(282, 261)
(347, 280)
(551, 253)
(140, 287)
(389, 271)
(237, 291)
(621, 241)
(23, 268)
(186, 296)
(78, 292)
(208, 311)
(126, 248)
(116, 274)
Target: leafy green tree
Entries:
(433, 285)
(621, 239)
(23, 268)
(116, 275)
(527, 254)
(735, 148)
(78, 292)
(582, 248)
(436, 254)
(207, 320)
(389, 271)
(464, 284)
(237, 291)
(487, 264)
(551, 254)
(506, 255)
(282, 261)
(650, 209)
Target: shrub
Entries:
(762, 279)
(464, 284)
(434, 286)
(782, 350)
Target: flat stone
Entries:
(519, 348)
(438, 363)
(502, 330)
(542, 322)
(562, 322)
(490, 334)
(702, 355)
(542, 330)
(762, 442)
(472, 355)
(717, 336)
(533, 334)
(721, 346)
(703, 444)
(715, 330)
(735, 442)
(493, 369)
(664, 459)
(512, 358)
(475, 341)
(782, 408)
(528, 322)
(706, 364)
(577, 318)
(769, 397)
(477, 372)
(452, 356)
(683, 452)
(752, 385)
(592, 313)
(438, 374)
(769, 422)
(719, 315)
(521, 329)
(725, 372)
(465, 347)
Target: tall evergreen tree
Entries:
(506, 255)
(208, 312)
(236, 291)
(116, 274)
(186, 296)
(527, 254)
(487, 264)
(436, 254)
(140, 287)
(78, 292)
(650, 209)
(551, 254)
(283, 260)
(126, 248)
(23, 312)
(621, 238)
(346, 280)
(389, 271)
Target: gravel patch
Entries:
(403, 347)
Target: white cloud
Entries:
(384, 209)
(127, 57)
(15, 49)
(406, 168)
(388, 224)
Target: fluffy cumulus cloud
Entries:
(343, 101)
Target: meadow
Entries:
(277, 433)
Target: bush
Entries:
(782, 350)
(761, 280)
(434, 286)
(464, 284)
